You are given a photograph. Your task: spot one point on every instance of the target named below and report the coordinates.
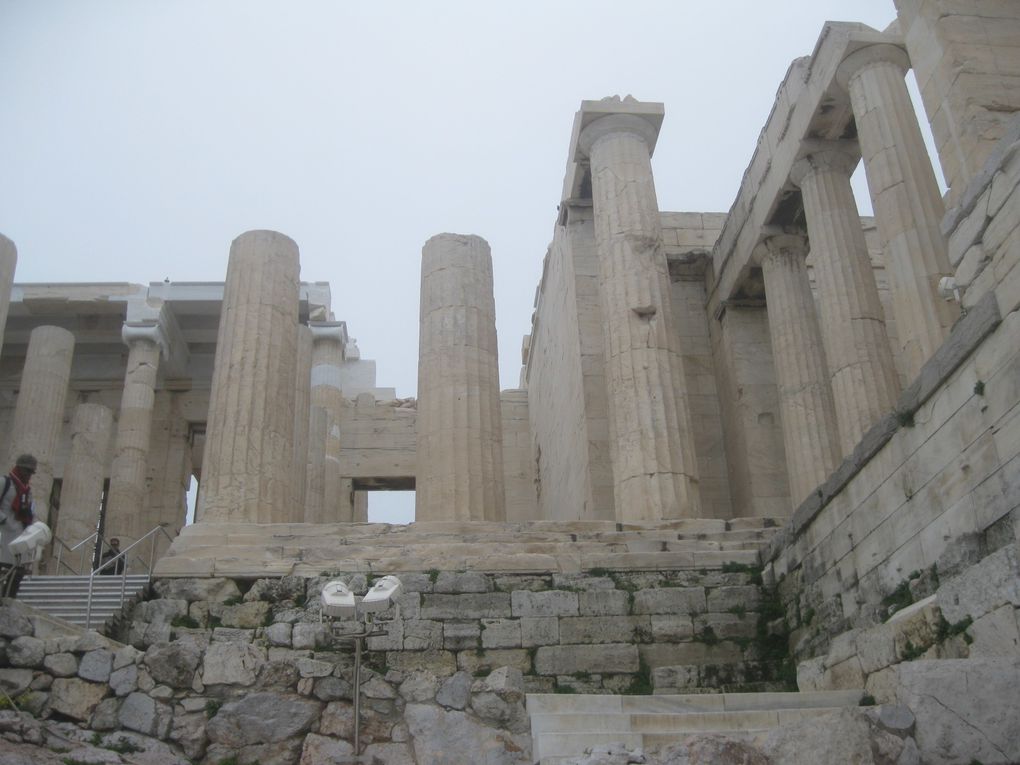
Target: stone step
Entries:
(565, 725)
(578, 703)
(216, 549)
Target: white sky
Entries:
(139, 138)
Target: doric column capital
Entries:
(859, 60)
(780, 245)
(820, 157)
(328, 332)
(613, 124)
(597, 119)
(134, 332)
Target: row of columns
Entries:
(835, 368)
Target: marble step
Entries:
(565, 725)
(215, 549)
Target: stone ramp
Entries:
(563, 726)
(260, 550)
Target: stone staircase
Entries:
(563, 726)
(247, 550)
(66, 597)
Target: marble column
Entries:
(329, 339)
(81, 494)
(302, 412)
(126, 514)
(315, 474)
(651, 441)
(908, 205)
(861, 368)
(810, 435)
(249, 449)
(39, 414)
(8, 263)
(460, 429)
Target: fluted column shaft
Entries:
(905, 194)
(39, 414)
(8, 263)
(329, 340)
(651, 443)
(302, 412)
(810, 434)
(82, 490)
(249, 450)
(315, 474)
(460, 441)
(864, 382)
(125, 512)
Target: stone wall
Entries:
(378, 441)
(565, 382)
(448, 672)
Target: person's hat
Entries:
(28, 462)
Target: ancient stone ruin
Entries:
(756, 498)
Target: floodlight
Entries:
(338, 600)
(382, 594)
(35, 537)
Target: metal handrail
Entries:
(95, 535)
(123, 556)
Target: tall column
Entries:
(329, 339)
(249, 450)
(651, 443)
(125, 506)
(82, 492)
(907, 203)
(8, 262)
(864, 382)
(460, 428)
(810, 435)
(315, 475)
(39, 414)
(302, 412)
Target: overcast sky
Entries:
(139, 138)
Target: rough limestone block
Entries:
(723, 599)
(491, 605)
(458, 582)
(670, 629)
(96, 665)
(61, 664)
(539, 630)
(478, 661)
(966, 709)
(876, 647)
(670, 600)
(422, 634)
(981, 589)
(458, 635)
(603, 603)
(604, 629)
(441, 663)
(232, 664)
(76, 698)
(279, 634)
(995, 634)
(501, 633)
(568, 660)
(245, 615)
(549, 603)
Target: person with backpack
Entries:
(17, 511)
